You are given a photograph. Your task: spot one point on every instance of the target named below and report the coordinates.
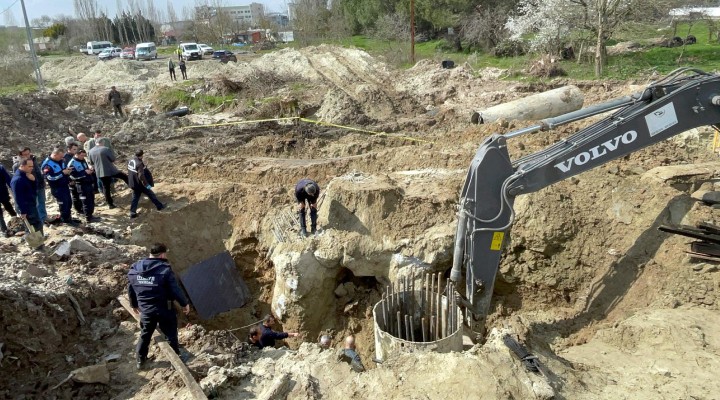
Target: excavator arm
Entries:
(685, 99)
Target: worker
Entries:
(307, 190)
(5, 180)
(140, 181)
(152, 289)
(269, 336)
(56, 173)
(115, 100)
(350, 356)
(72, 149)
(179, 53)
(325, 341)
(102, 160)
(24, 190)
(171, 68)
(26, 154)
(69, 140)
(82, 176)
(183, 69)
(254, 337)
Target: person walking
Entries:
(171, 68)
(26, 154)
(83, 177)
(56, 173)
(269, 336)
(115, 100)
(5, 180)
(102, 160)
(140, 181)
(183, 69)
(308, 191)
(152, 289)
(24, 190)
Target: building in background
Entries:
(279, 19)
(250, 14)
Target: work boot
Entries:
(133, 215)
(140, 362)
(303, 233)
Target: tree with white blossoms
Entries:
(551, 21)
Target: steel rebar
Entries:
(399, 335)
(407, 327)
(412, 328)
(423, 326)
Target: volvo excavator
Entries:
(685, 99)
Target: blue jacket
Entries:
(53, 172)
(78, 173)
(5, 179)
(153, 286)
(25, 192)
(39, 181)
(269, 336)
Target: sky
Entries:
(38, 8)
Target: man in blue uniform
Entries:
(24, 154)
(24, 189)
(56, 173)
(152, 290)
(307, 190)
(72, 149)
(84, 179)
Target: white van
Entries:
(145, 51)
(191, 51)
(97, 47)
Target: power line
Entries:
(9, 7)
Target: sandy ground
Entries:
(613, 307)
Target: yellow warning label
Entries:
(497, 240)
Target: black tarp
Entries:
(215, 285)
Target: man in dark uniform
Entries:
(307, 190)
(56, 173)
(39, 181)
(269, 336)
(72, 149)
(24, 189)
(152, 290)
(83, 178)
(140, 184)
(5, 199)
(115, 99)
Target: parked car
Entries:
(145, 51)
(128, 53)
(205, 49)
(224, 56)
(191, 51)
(110, 53)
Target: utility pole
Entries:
(412, 31)
(36, 65)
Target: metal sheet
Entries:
(215, 285)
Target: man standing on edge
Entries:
(269, 336)
(102, 160)
(171, 68)
(82, 176)
(56, 173)
(25, 154)
(152, 289)
(307, 190)
(5, 180)
(140, 184)
(24, 187)
(115, 99)
(183, 69)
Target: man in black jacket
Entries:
(5, 199)
(140, 181)
(115, 99)
(152, 290)
(269, 336)
(307, 190)
(83, 177)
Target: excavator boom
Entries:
(685, 99)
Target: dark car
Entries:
(224, 56)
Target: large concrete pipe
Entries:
(538, 106)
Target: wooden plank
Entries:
(193, 387)
(702, 256)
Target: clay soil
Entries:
(612, 306)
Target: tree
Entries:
(311, 19)
(55, 30)
(552, 20)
